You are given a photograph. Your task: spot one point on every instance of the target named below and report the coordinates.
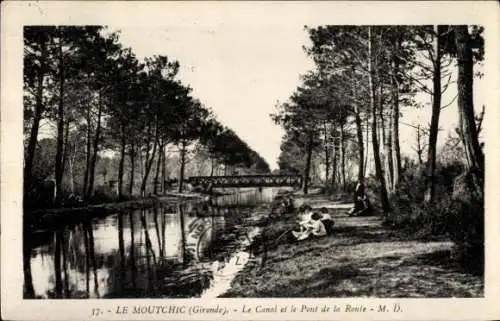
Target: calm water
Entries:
(176, 250)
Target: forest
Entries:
(98, 119)
(342, 126)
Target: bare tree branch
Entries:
(480, 120)
(422, 86)
(445, 87)
(451, 102)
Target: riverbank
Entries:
(46, 218)
(361, 259)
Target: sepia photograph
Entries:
(215, 157)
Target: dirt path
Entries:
(361, 259)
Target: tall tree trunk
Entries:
(158, 163)
(342, 156)
(359, 135)
(88, 151)
(149, 163)
(388, 157)
(71, 163)
(163, 232)
(396, 151)
(183, 164)
(367, 149)
(376, 152)
(436, 109)
(164, 168)
(60, 124)
(39, 108)
(468, 130)
(141, 161)
(419, 145)
(212, 168)
(65, 146)
(327, 152)
(132, 170)
(380, 109)
(121, 164)
(334, 165)
(307, 167)
(95, 147)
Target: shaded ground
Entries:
(361, 259)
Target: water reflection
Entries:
(167, 251)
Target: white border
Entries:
(15, 14)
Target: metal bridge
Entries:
(246, 180)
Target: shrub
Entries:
(467, 222)
(457, 212)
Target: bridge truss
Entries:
(247, 180)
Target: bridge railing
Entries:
(247, 180)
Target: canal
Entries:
(175, 250)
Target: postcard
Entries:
(249, 160)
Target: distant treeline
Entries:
(107, 116)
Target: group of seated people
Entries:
(312, 224)
(319, 223)
(282, 204)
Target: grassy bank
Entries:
(361, 259)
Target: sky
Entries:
(241, 58)
(241, 70)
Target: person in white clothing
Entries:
(312, 227)
(324, 214)
(327, 220)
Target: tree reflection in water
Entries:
(87, 260)
(121, 247)
(29, 290)
(65, 263)
(88, 229)
(157, 229)
(149, 249)
(152, 252)
(133, 266)
(57, 263)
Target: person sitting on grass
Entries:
(327, 220)
(304, 213)
(360, 200)
(288, 204)
(313, 227)
(281, 205)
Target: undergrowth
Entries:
(456, 213)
